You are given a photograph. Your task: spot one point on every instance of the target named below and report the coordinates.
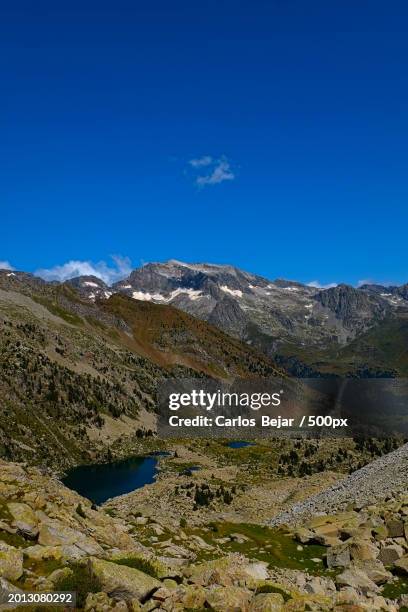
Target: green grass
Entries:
(55, 309)
(393, 590)
(279, 549)
(43, 568)
(14, 539)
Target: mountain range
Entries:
(81, 362)
(308, 330)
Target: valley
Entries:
(92, 500)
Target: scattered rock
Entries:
(356, 578)
(389, 554)
(402, 564)
(267, 602)
(11, 562)
(233, 598)
(338, 556)
(122, 581)
(24, 519)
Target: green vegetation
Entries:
(58, 311)
(81, 581)
(266, 544)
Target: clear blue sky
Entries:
(301, 106)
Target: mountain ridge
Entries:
(306, 328)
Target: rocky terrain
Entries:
(52, 539)
(277, 525)
(383, 478)
(246, 304)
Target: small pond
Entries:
(239, 444)
(101, 481)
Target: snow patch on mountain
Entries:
(90, 284)
(235, 292)
(158, 297)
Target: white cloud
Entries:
(217, 170)
(6, 265)
(109, 274)
(199, 162)
(318, 285)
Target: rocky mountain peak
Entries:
(90, 287)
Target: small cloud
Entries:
(318, 285)
(200, 162)
(109, 274)
(217, 170)
(6, 265)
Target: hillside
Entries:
(381, 479)
(76, 376)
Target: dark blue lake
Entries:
(239, 444)
(100, 482)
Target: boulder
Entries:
(6, 588)
(101, 602)
(232, 598)
(55, 533)
(24, 519)
(193, 597)
(240, 538)
(200, 543)
(338, 556)
(267, 602)
(145, 562)
(173, 550)
(357, 579)
(6, 527)
(59, 574)
(402, 564)
(227, 571)
(375, 570)
(320, 585)
(162, 594)
(395, 528)
(303, 535)
(363, 550)
(380, 532)
(257, 570)
(41, 553)
(390, 553)
(11, 562)
(121, 581)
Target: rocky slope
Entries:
(235, 300)
(383, 478)
(52, 539)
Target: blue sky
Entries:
(267, 134)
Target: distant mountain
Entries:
(303, 328)
(300, 326)
(90, 287)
